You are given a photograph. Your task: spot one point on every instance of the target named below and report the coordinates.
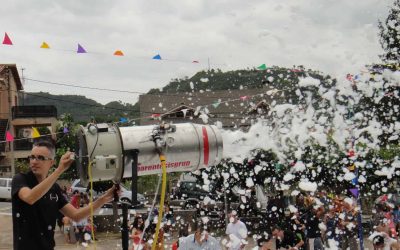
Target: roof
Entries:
(231, 107)
(14, 72)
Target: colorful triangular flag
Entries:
(216, 104)
(9, 136)
(354, 192)
(123, 119)
(118, 53)
(45, 46)
(7, 40)
(35, 133)
(262, 67)
(65, 130)
(157, 57)
(243, 97)
(80, 49)
(195, 61)
(352, 167)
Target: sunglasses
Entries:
(39, 158)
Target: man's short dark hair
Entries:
(378, 240)
(47, 144)
(199, 226)
(276, 226)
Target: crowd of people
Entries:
(319, 221)
(79, 232)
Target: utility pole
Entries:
(23, 84)
(208, 60)
(10, 128)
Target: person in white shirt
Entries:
(383, 241)
(199, 240)
(237, 232)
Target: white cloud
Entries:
(335, 37)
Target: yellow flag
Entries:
(45, 46)
(35, 133)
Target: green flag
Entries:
(262, 67)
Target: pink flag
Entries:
(7, 40)
(9, 136)
(243, 97)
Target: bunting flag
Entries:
(216, 104)
(9, 136)
(354, 181)
(35, 133)
(351, 153)
(80, 49)
(157, 57)
(65, 130)
(45, 46)
(195, 61)
(155, 115)
(123, 119)
(354, 192)
(262, 67)
(118, 53)
(243, 97)
(7, 40)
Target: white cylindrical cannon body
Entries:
(106, 148)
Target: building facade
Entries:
(19, 120)
(231, 109)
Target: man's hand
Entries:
(108, 196)
(66, 161)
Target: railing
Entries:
(34, 111)
(22, 145)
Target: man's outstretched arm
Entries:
(78, 214)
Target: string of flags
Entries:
(34, 134)
(82, 50)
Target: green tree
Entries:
(389, 32)
(66, 142)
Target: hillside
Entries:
(84, 109)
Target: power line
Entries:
(182, 94)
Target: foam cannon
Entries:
(111, 150)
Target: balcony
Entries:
(33, 111)
(23, 144)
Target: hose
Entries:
(162, 198)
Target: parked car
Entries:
(5, 188)
(100, 187)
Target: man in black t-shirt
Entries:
(287, 239)
(37, 199)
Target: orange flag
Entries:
(118, 53)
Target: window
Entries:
(3, 183)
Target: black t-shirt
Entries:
(289, 240)
(33, 225)
(312, 226)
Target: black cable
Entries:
(182, 94)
